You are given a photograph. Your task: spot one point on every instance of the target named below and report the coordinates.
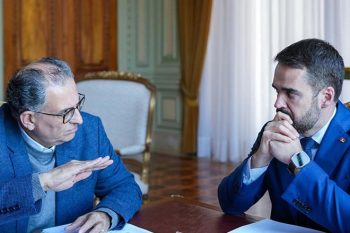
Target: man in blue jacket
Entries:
(52, 165)
(302, 156)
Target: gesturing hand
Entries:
(93, 222)
(65, 176)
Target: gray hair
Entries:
(26, 90)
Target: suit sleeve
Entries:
(318, 197)
(116, 186)
(16, 199)
(236, 197)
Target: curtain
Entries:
(337, 32)
(194, 19)
(236, 97)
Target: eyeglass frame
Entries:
(68, 110)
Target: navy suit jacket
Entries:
(318, 197)
(114, 185)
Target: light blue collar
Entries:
(35, 145)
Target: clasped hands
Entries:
(280, 140)
(64, 177)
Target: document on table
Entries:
(128, 228)
(271, 226)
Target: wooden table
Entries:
(179, 215)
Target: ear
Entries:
(27, 120)
(327, 97)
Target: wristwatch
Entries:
(298, 161)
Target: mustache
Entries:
(285, 112)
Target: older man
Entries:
(53, 165)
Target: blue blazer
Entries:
(318, 197)
(114, 185)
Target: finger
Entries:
(76, 224)
(81, 176)
(99, 167)
(97, 229)
(280, 116)
(89, 225)
(87, 165)
(286, 129)
(103, 163)
(104, 160)
(102, 166)
(277, 137)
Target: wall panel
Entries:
(148, 44)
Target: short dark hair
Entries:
(323, 64)
(27, 87)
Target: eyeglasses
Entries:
(68, 113)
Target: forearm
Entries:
(236, 197)
(317, 196)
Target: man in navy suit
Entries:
(302, 156)
(52, 165)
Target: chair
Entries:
(125, 103)
(347, 104)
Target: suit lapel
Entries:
(336, 140)
(63, 154)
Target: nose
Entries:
(280, 102)
(77, 118)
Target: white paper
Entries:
(128, 228)
(271, 226)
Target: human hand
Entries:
(65, 176)
(284, 151)
(280, 129)
(93, 222)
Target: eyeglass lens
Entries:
(70, 113)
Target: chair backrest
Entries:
(347, 104)
(125, 102)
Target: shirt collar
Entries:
(35, 145)
(318, 136)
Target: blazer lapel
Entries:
(63, 154)
(336, 140)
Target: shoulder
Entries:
(92, 125)
(341, 118)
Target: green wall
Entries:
(148, 44)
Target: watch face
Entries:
(300, 159)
